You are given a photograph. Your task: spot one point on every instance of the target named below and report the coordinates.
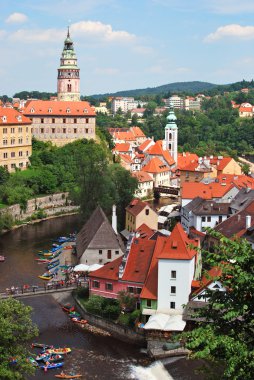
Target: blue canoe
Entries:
(51, 366)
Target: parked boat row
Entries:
(74, 315)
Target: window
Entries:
(4, 130)
(26, 129)
(86, 130)
(220, 218)
(147, 211)
(12, 130)
(12, 154)
(5, 142)
(96, 284)
(42, 121)
(42, 130)
(12, 141)
(20, 154)
(172, 305)
(64, 121)
(148, 303)
(109, 254)
(203, 218)
(75, 121)
(6, 167)
(87, 120)
(13, 166)
(20, 140)
(100, 251)
(130, 289)
(173, 290)
(209, 219)
(139, 290)
(21, 164)
(27, 153)
(173, 274)
(20, 130)
(53, 130)
(117, 252)
(69, 87)
(53, 121)
(5, 155)
(75, 130)
(109, 286)
(64, 130)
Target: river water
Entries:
(94, 356)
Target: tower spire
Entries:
(171, 131)
(68, 32)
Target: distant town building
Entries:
(175, 101)
(125, 104)
(15, 139)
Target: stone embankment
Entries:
(52, 204)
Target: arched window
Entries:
(69, 87)
(170, 136)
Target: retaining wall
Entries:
(50, 204)
(123, 333)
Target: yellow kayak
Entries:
(60, 351)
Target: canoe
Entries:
(65, 376)
(42, 345)
(53, 264)
(49, 358)
(32, 361)
(43, 260)
(65, 308)
(51, 366)
(60, 351)
(46, 277)
(81, 321)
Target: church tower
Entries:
(68, 73)
(171, 131)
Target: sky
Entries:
(125, 44)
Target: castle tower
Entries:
(68, 73)
(171, 131)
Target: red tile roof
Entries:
(246, 109)
(207, 279)
(192, 190)
(155, 165)
(142, 176)
(157, 150)
(136, 206)
(220, 163)
(137, 132)
(121, 147)
(150, 287)
(125, 136)
(126, 158)
(144, 145)
(145, 231)
(185, 159)
(178, 246)
(241, 181)
(12, 116)
(139, 260)
(57, 108)
(109, 271)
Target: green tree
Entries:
(16, 328)
(4, 175)
(225, 336)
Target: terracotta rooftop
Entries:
(155, 165)
(121, 147)
(157, 150)
(109, 271)
(241, 181)
(136, 206)
(191, 190)
(142, 176)
(12, 116)
(185, 159)
(57, 108)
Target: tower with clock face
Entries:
(68, 88)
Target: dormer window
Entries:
(4, 118)
(50, 110)
(68, 110)
(32, 110)
(85, 110)
(19, 118)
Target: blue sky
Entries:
(126, 44)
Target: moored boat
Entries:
(47, 365)
(46, 276)
(53, 264)
(81, 321)
(63, 375)
(60, 351)
(42, 345)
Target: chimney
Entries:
(248, 221)
(114, 219)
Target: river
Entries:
(95, 356)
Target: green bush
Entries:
(124, 319)
(83, 292)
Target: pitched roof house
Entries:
(97, 242)
(139, 212)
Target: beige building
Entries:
(61, 122)
(15, 139)
(137, 213)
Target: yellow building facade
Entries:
(15, 139)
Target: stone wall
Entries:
(51, 204)
(123, 333)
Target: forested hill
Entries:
(189, 87)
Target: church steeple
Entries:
(68, 73)
(171, 134)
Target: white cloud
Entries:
(2, 33)
(16, 18)
(48, 35)
(183, 69)
(233, 30)
(100, 31)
